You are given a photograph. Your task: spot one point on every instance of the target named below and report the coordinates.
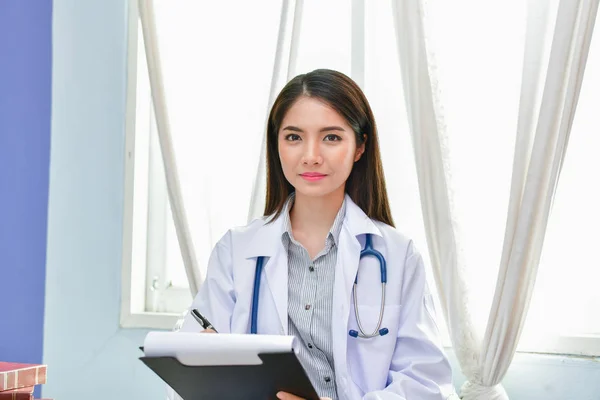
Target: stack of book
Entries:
(17, 380)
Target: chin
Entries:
(314, 190)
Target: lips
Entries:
(312, 176)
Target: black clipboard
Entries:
(278, 372)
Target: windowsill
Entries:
(572, 346)
(150, 320)
(580, 346)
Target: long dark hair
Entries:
(366, 183)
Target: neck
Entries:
(316, 214)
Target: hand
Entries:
(287, 396)
(208, 331)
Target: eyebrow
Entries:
(326, 129)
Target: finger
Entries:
(287, 396)
(208, 331)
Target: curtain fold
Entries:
(188, 254)
(430, 144)
(535, 175)
(282, 72)
(549, 94)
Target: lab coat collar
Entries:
(267, 239)
(357, 222)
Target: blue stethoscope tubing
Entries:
(367, 251)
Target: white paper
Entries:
(193, 348)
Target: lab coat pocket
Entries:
(369, 359)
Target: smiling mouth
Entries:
(312, 176)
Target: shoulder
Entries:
(242, 233)
(408, 269)
(250, 228)
(401, 244)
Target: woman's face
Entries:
(317, 148)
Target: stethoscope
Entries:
(367, 251)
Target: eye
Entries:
(332, 138)
(292, 137)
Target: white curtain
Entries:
(549, 93)
(225, 114)
(289, 42)
(161, 111)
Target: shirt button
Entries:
(327, 379)
(311, 268)
(307, 307)
(310, 346)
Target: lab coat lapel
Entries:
(345, 272)
(267, 243)
(276, 271)
(356, 223)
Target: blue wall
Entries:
(25, 85)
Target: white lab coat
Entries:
(406, 364)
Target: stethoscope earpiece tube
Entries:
(258, 273)
(370, 251)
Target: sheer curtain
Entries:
(283, 71)
(210, 86)
(214, 73)
(557, 39)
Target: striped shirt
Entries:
(310, 302)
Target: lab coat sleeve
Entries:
(216, 297)
(419, 368)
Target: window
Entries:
(480, 78)
(217, 94)
(217, 100)
(566, 300)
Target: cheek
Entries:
(287, 157)
(344, 160)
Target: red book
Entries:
(25, 393)
(17, 375)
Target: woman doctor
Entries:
(325, 196)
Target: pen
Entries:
(202, 320)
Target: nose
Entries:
(312, 153)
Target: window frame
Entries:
(136, 282)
